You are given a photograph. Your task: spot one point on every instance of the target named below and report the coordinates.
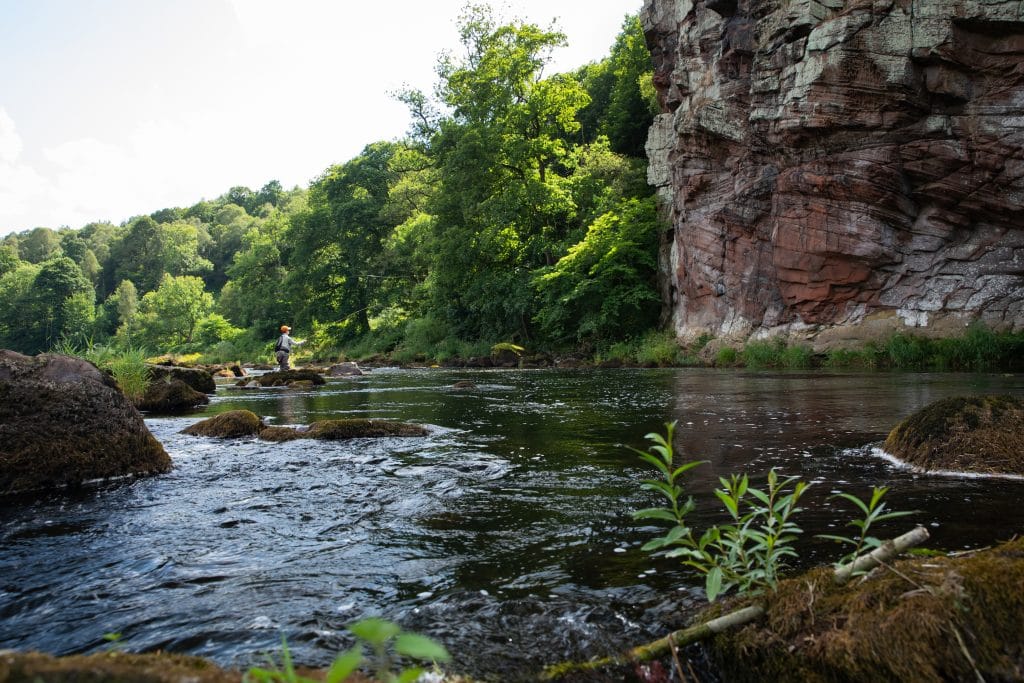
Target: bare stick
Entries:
(646, 653)
(881, 554)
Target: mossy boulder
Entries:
(111, 667)
(171, 397)
(63, 422)
(966, 434)
(932, 619)
(233, 423)
(337, 430)
(197, 378)
(284, 378)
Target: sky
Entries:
(115, 108)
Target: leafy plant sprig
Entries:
(874, 511)
(388, 643)
(748, 554)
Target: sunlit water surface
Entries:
(505, 534)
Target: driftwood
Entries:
(692, 634)
(880, 555)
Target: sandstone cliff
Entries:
(832, 167)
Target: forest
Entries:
(516, 210)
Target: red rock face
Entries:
(825, 164)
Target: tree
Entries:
(337, 265)
(605, 287)
(39, 245)
(169, 315)
(126, 304)
(150, 250)
(255, 295)
(8, 259)
(45, 304)
(502, 204)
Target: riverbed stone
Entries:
(337, 430)
(171, 397)
(230, 424)
(197, 378)
(111, 667)
(284, 378)
(346, 369)
(963, 434)
(63, 422)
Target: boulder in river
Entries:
(170, 397)
(63, 422)
(283, 378)
(964, 434)
(197, 378)
(336, 430)
(233, 423)
(346, 369)
(110, 667)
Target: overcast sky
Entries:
(115, 108)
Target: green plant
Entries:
(726, 356)
(874, 511)
(747, 554)
(388, 643)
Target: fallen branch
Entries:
(880, 555)
(645, 653)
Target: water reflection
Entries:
(505, 533)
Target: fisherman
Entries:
(283, 348)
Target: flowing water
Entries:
(505, 533)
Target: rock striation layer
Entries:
(832, 165)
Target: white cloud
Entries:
(10, 141)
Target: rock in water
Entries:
(64, 422)
(832, 168)
(963, 434)
(233, 423)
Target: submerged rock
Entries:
(197, 378)
(63, 423)
(281, 379)
(933, 619)
(347, 369)
(464, 385)
(171, 397)
(972, 434)
(233, 423)
(336, 430)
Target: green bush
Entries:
(726, 357)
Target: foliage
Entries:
(873, 511)
(127, 366)
(170, 315)
(387, 643)
(747, 554)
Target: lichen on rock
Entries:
(336, 430)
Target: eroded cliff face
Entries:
(834, 166)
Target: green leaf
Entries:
(655, 513)
(410, 675)
(727, 500)
(374, 630)
(657, 462)
(686, 467)
(344, 664)
(421, 647)
(713, 583)
(855, 500)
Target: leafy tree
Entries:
(126, 303)
(15, 314)
(170, 314)
(39, 245)
(255, 296)
(604, 288)
(502, 203)
(337, 265)
(45, 304)
(8, 259)
(149, 250)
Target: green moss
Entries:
(979, 434)
(111, 667)
(905, 626)
(233, 423)
(336, 430)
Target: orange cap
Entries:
(285, 328)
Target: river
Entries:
(505, 534)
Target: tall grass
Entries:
(127, 366)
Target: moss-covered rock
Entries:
(231, 424)
(968, 434)
(171, 397)
(336, 430)
(197, 378)
(63, 422)
(111, 667)
(932, 619)
(281, 379)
